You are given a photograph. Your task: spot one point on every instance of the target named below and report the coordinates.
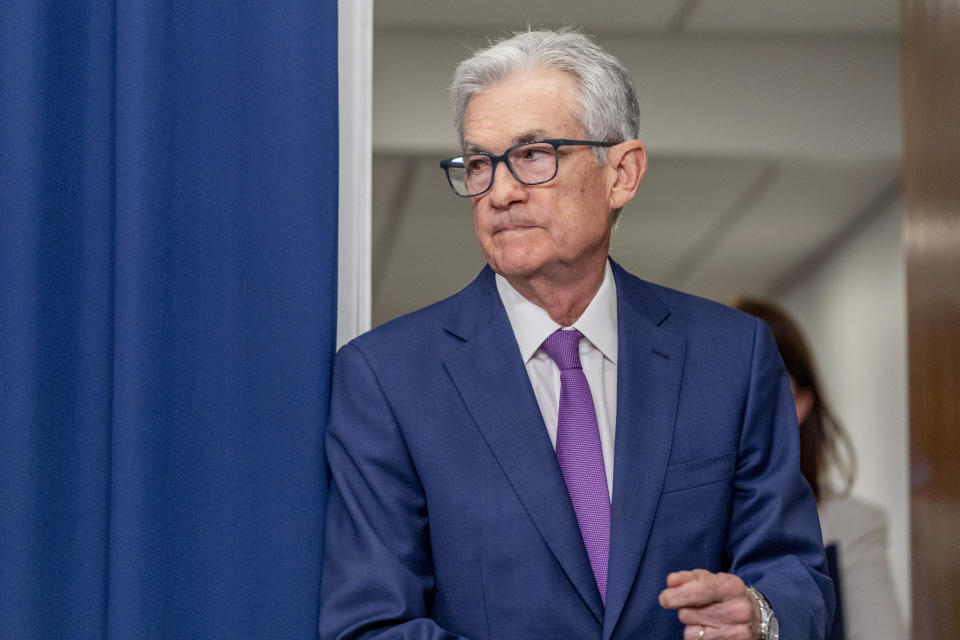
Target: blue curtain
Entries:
(168, 195)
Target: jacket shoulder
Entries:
(682, 312)
(431, 327)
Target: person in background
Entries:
(858, 529)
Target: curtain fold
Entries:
(168, 190)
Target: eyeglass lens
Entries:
(533, 163)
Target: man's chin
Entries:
(516, 259)
(515, 267)
(515, 274)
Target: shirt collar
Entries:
(531, 324)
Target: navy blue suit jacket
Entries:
(448, 515)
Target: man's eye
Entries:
(475, 165)
(532, 154)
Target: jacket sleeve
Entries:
(774, 539)
(377, 574)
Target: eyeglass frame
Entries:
(556, 143)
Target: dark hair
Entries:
(823, 441)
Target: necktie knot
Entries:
(563, 347)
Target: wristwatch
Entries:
(769, 627)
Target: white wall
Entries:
(853, 310)
(355, 57)
(835, 98)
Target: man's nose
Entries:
(505, 189)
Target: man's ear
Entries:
(629, 160)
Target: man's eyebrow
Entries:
(530, 136)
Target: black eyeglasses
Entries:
(530, 163)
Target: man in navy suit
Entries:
(643, 483)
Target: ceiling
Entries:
(773, 129)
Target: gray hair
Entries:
(608, 104)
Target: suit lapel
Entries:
(649, 369)
(493, 383)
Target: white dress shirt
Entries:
(598, 356)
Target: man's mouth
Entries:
(515, 227)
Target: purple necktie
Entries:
(579, 452)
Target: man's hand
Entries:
(713, 606)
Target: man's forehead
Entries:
(527, 105)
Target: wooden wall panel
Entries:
(931, 77)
